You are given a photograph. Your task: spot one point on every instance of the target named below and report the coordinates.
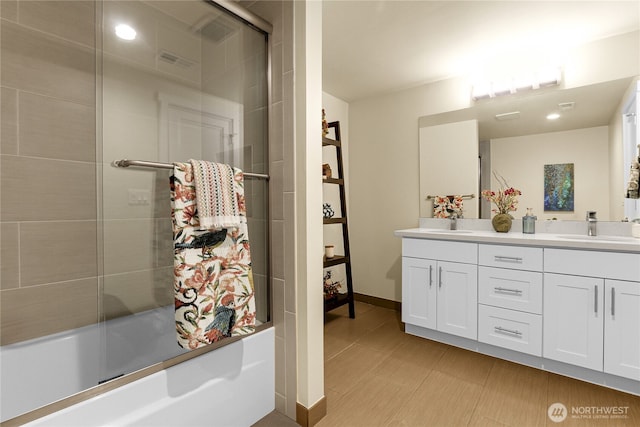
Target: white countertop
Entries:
(573, 241)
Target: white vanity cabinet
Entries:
(565, 306)
(592, 313)
(510, 297)
(573, 319)
(439, 286)
(622, 328)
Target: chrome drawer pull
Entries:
(500, 258)
(430, 275)
(595, 300)
(440, 278)
(514, 291)
(502, 330)
(613, 301)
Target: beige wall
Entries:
(48, 175)
(458, 176)
(383, 167)
(521, 160)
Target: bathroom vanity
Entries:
(565, 303)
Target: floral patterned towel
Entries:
(445, 206)
(213, 281)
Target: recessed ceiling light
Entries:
(125, 32)
(553, 116)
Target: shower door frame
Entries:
(265, 27)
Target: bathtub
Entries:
(41, 371)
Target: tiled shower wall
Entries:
(282, 170)
(49, 253)
(48, 258)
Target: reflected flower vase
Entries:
(501, 222)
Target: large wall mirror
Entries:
(511, 135)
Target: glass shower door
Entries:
(180, 80)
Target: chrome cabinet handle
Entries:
(515, 291)
(502, 330)
(613, 301)
(595, 300)
(500, 258)
(440, 277)
(430, 275)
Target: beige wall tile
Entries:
(56, 129)
(41, 190)
(72, 20)
(163, 243)
(34, 62)
(9, 9)
(128, 245)
(9, 256)
(9, 117)
(35, 311)
(130, 293)
(57, 251)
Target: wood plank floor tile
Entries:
(344, 371)
(514, 395)
(385, 337)
(580, 395)
(441, 400)
(467, 365)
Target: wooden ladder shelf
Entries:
(342, 298)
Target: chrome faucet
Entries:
(592, 221)
(454, 222)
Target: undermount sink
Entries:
(598, 238)
(450, 231)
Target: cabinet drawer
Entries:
(516, 257)
(510, 329)
(511, 289)
(608, 265)
(441, 250)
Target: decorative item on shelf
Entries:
(506, 200)
(330, 286)
(326, 171)
(447, 206)
(329, 251)
(529, 222)
(325, 125)
(327, 211)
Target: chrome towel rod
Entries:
(464, 196)
(125, 163)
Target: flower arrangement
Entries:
(506, 199)
(330, 286)
(446, 206)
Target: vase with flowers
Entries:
(505, 200)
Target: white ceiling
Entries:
(371, 47)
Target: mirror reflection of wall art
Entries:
(558, 187)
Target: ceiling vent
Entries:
(508, 116)
(174, 59)
(566, 106)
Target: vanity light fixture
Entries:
(125, 32)
(553, 116)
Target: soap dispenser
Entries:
(529, 223)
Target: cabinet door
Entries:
(573, 320)
(419, 292)
(622, 329)
(458, 299)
